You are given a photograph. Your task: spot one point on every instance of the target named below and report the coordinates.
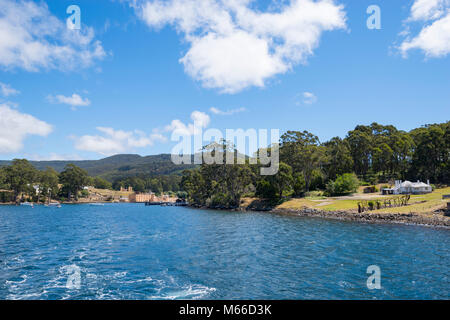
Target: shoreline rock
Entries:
(397, 218)
(433, 220)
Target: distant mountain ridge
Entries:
(118, 166)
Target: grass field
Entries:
(103, 194)
(426, 203)
(107, 192)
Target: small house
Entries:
(408, 187)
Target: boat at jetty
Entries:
(26, 203)
(53, 205)
(167, 204)
(156, 203)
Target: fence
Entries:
(398, 201)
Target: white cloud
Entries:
(200, 120)
(307, 98)
(227, 112)
(115, 141)
(158, 137)
(233, 47)
(53, 157)
(434, 37)
(112, 141)
(6, 90)
(74, 100)
(16, 126)
(428, 9)
(33, 39)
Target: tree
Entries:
(382, 156)
(3, 184)
(48, 183)
(380, 149)
(299, 184)
(182, 195)
(20, 176)
(432, 152)
(338, 158)
(360, 141)
(194, 185)
(101, 183)
(302, 151)
(216, 183)
(238, 178)
(155, 185)
(277, 185)
(402, 146)
(73, 180)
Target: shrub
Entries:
(371, 189)
(372, 178)
(182, 195)
(101, 183)
(84, 193)
(344, 184)
(221, 200)
(299, 185)
(264, 189)
(317, 181)
(314, 194)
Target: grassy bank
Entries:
(426, 203)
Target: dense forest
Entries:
(21, 179)
(118, 167)
(366, 156)
(155, 173)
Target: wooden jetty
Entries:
(167, 204)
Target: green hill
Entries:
(119, 166)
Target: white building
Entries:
(408, 187)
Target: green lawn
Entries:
(425, 203)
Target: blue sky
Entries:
(137, 86)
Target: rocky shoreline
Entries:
(435, 219)
(432, 219)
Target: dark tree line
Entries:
(156, 184)
(368, 154)
(21, 180)
(373, 154)
(219, 184)
(422, 153)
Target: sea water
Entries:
(132, 251)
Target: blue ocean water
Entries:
(130, 251)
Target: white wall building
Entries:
(408, 187)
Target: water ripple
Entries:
(136, 252)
